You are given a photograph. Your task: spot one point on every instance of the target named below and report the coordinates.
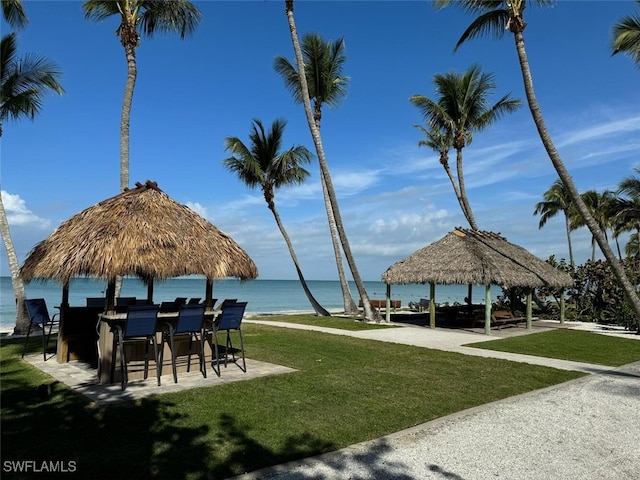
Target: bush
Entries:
(595, 296)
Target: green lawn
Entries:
(572, 345)
(346, 390)
(343, 323)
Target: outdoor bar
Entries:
(143, 233)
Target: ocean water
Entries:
(263, 296)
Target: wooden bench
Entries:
(499, 318)
(380, 304)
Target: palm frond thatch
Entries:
(469, 257)
(140, 232)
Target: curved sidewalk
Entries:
(586, 429)
(449, 340)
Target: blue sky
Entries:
(394, 196)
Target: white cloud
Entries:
(198, 208)
(18, 213)
(352, 183)
(600, 131)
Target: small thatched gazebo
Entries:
(470, 257)
(141, 232)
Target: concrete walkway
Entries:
(454, 340)
(586, 429)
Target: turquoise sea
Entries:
(263, 296)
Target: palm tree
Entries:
(632, 248)
(14, 14)
(461, 109)
(323, 68)
(497, 17)
(23, 84)
(599, 205)
(625, 208)
(262, 164)
(556, 200)
(626, 37)
(369, 312)
(441, 142)
(140, 17)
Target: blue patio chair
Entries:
(169, 307)
(96, 302)
(230, 319)
(226, 301)
(190, 322)
(140, 325)
(39, 316)
(123, 303)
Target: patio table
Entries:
(105, 345)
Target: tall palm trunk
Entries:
(22, 321)
(369, 312)
(350, 307)
(595, 230)
(463, 191)
(456, 190)
(567, 226)
(125, 118)
(314, 303)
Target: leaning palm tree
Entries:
(461, 108)
(556, 200)
(263, 165)
(626, 37)
(369, 312)
(497, 17)
(140, 17)
(23, 84)
(327, 86)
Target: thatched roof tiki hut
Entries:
(469, 257)
(141, 232)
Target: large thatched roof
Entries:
(477, 258)
(141, 232)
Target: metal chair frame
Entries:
(190, 322)
(39, 315)
(141, 324)
(229, 319)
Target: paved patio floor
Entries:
(82, 378)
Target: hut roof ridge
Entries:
(141, 232)
(475, 257)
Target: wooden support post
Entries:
(487, 309)
(388, 314)
(62, 347)
(208, 294)
(111, 296)
(150, 292)
(432, 305)
(529, 308)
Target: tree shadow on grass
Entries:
(151, 438)
(44, 422)
(247, 456)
